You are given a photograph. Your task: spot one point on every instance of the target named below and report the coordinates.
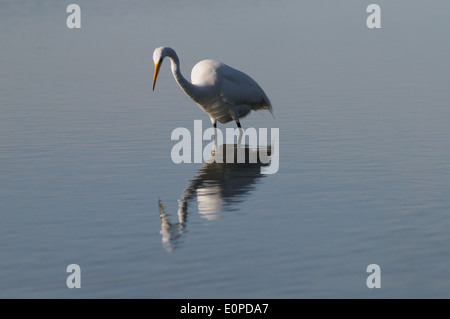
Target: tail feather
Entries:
(263, 105)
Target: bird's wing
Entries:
(237, 88)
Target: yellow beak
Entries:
(157, 66)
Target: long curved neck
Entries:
(190, 89)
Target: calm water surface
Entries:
(87, 177)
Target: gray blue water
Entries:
(364, 148)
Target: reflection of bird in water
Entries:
(217, 187)
(224, 93)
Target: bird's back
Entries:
(228, 88)
(234, 86)
(205, 72)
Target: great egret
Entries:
(224, 93)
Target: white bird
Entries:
(224, 93)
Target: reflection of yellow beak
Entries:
(157, 65)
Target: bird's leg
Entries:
(240, 131)
(213, 151)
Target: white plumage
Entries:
(223, 92)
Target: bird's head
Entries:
(158, 56)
